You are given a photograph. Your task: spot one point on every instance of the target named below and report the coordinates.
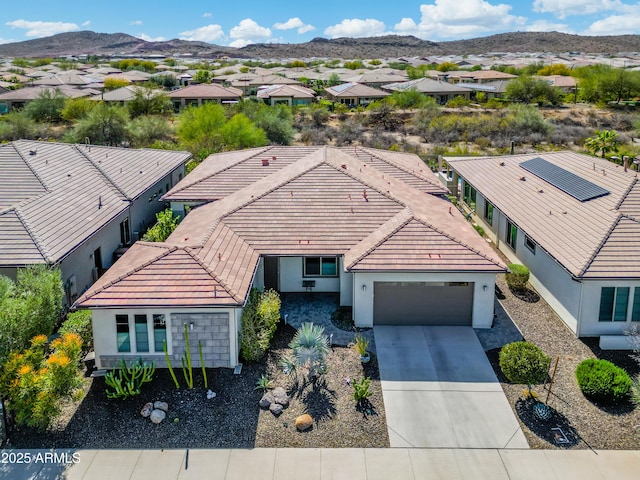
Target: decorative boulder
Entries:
(146, 410)
(161, 406)
(280, 396)
(157, 416)
(304, 422)
(266, 400)
(276, 408)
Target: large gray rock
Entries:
(157, 416)
(280, 396)
(276, 409)
(266, 400)
(161, 406)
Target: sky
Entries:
(255, 21)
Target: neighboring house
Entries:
(124, 95)
(14, 99)
(441, 91)
(75, 205)
(291, 95)
(495, 89)
(574, 221)
(478, 76)
(565, 83)
(354, 94)
(196, 95)
(372, 226)
(376, 79)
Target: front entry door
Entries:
(271, 273)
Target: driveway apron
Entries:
(440, 390)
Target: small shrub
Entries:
(310, 348)
(517, 277)
(79, 322)
(264, 383)
(479, 229)
(602, 381)
(525, 363)
(361, 344)
(361, 389)
(259, 323)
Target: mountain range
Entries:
(389, 46)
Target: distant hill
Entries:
(92, 43)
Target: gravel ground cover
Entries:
(584, 424)
(232, 419)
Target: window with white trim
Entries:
(145, 334)
(320, 267)
(530, 244)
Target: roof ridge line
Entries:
(477, 252)
(170, 249)
(626, 193)
(29, 230)
(403, 168)
(263, 150)
(102, 172)
(35, 174)
(600, 245)
(212, 274)
(405, 211)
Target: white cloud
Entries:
(545, 26)
(207, 15)
(42, 29)
(616, 25)
(356, 27)
(6, 40)
(294, 23)
(148, 38)
(459, 18)
(562, 8)
(86, 23)
(136, 22)
(248, 31)
(208, 33)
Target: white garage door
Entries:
(422, 303)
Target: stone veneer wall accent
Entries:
(211, 329)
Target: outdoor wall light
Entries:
(364, 287)
(484, 287)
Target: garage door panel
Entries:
(422, 303)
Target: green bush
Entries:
(361, 389)
(479, 229)
(260, 318)
(602, 381)
(524, 362)
(518, 276)
(126, 381)
(79, 322)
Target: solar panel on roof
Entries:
(341, 88)
(568, 182)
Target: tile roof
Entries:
(294, 91)
(355, 90)
(63, 193)
(322, 201)
(573, 232)
(426, 85)
(206, 91)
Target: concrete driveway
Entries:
(440, 391)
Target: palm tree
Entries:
(604, 141)
(310, 348)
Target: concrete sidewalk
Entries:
(326, 464)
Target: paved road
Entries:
(440, 390)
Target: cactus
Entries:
(204, 371)
(127, 381)
(166, 356)
(187, 367)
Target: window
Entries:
(142, 333)
(122, 333)
(125, 232)
(140, 336)
(613, 304)
(469, 196)
(320, 267)
(488, 212)
(635, 309)
(530, 244)
(159, 332)
(512, 235)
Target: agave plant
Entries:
(310, 347)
